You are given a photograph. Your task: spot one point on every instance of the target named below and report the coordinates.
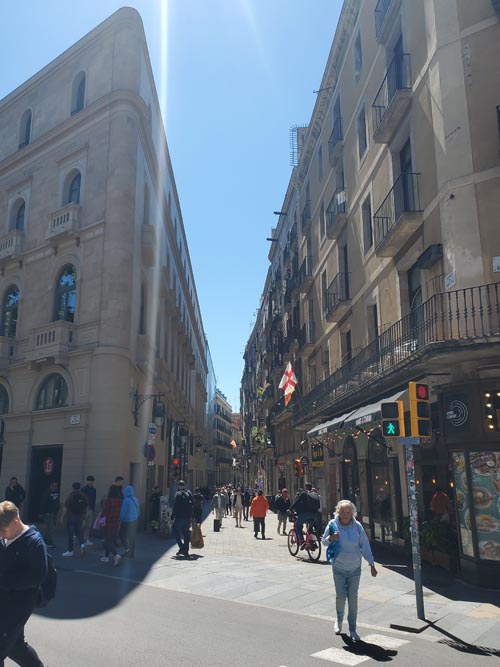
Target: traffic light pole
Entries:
(414, 532)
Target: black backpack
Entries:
(312, 502)
(78, 503)
(47, 590)
(185, 503)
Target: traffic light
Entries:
(393, 420)
(420, 410)
(299, 468)
(175, 468)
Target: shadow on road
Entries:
(373, 651)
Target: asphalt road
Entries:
(146, 625)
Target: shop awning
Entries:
(370, 413)
(328, 426)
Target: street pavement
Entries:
(238, 577)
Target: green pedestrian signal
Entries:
(393, 425)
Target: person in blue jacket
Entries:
(129, 517)
(23, 568)
(353, 545)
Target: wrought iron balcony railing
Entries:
(403, 197)
(398, 77)
(307, 335)
(471, 314)
(336, 214)
(305, 270)
(336, 138)
(337, 293)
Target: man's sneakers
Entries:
(337, 627)
(104, 559)
(88, 543)
(67, 554)
(116, 560)
(82, 549)
(354, 636)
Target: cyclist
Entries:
(306, 506)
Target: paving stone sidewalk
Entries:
(235, 566)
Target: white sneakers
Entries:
(104, 559)
(67, 554)
(82, 549)
(337, 627)
(88, 543)
(117, 559)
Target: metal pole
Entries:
(414, 533)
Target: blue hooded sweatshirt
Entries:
(130, 506)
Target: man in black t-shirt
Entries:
(182, 514)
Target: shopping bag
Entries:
(197, 538)
(99, 522)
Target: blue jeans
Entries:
(301, 520)
(346, 586)
(181, 534)
(74, 527)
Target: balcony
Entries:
(306, 274)
(336, 214)
(337, 298)
(463, 325)
(392, 100)
(64, 223)
(306, 217)
(148, 244)
(53, 340)
(385, 12)
(307, 338)
(399, 216)
(336, 141)
(7, 350)
(11, 246)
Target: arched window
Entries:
(8, 321)
(78, 93)
(19, 216)
(142, 313)
(25, 129)
(65, 297)
(53, 393)
(4, 400)
(73, 195)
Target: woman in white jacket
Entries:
(346, 563)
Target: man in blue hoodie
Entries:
(129, 517)
(23, 568)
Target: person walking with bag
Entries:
(353, 545)
(111, 512)
(181, 515)
(129, 518)
(258, 510)
(282, 505)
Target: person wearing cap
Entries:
(89, 491)
(282, 505)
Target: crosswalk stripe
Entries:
(385, 642)
(340, 656)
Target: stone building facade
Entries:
(385, 269)
(99, 306)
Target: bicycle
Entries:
(312, 541)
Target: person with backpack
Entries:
(23, 571)
(306, 506)
(75, 509)
(15, 492)
(353, 545)
(181, 516)
(246, 503)
(129, 518)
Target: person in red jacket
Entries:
(111, 512)
(258, 510)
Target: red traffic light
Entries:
(175, 462)
(422, 391)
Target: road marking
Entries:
(341, 657)
(385, 642)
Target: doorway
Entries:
(45, 468)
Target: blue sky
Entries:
(239, 73)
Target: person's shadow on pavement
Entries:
(372, 651)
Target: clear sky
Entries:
(238, 74)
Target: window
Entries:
(358, 57)
(347, 347)
(372, 321)
(366, 215)
(75, 182)
(78, 93)
(145, 219)
(53, 393)
(25, 129)
(4, 400)
(10, 303)
(19, 212)
(65, 298)
(362, 140)
(320, 164)
(322, 221)
(142, 312)
(323, 290)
